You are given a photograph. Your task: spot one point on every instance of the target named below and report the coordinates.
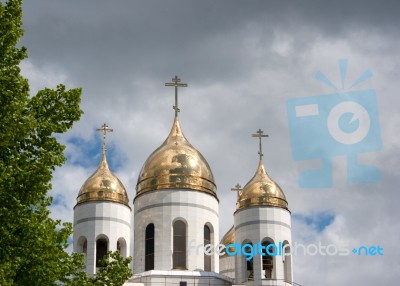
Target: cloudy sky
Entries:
(243, 61)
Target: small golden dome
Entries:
(261, 190)
(176, 164)
(103, 185)
(229, 237)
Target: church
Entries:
(172, 231)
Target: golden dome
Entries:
(261, 190)
(229, 237)
(103, 185)
(176, 164)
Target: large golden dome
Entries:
(261, 190)
(176, 164)
(103, 185)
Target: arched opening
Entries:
(179, 245)
(101, 251)
(249, 263)
(207, 240)
(82, 245)
(287, 262)
(121, 246)
(149, 248)
(268, 259)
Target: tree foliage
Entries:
(115, 272)
(32, 245)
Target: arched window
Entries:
(149, 248)
(101, 251)
(179, 245)
(249, 263)
(121, 246)
(267, 260)
(287, 262)
(84, 247)
(207, 240)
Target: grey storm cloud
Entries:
(132, 38)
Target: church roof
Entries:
(261, 190)
(229, 237)
(103, 185)
(176, 164)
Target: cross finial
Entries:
(260, 134)
(104, 129)
(176, 83)
(238, 189)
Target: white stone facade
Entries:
(175, 278)
(258, 224)
(101, 220)
(227, 266)
(162, 208)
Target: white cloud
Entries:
(42, 77)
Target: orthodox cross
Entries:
(176, 82)
(104, 128)
(238, 189)
(260, 134)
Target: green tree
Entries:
(115, 272)
(32, 245)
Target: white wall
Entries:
(162, 208)
(101, 219)
(255, 224)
